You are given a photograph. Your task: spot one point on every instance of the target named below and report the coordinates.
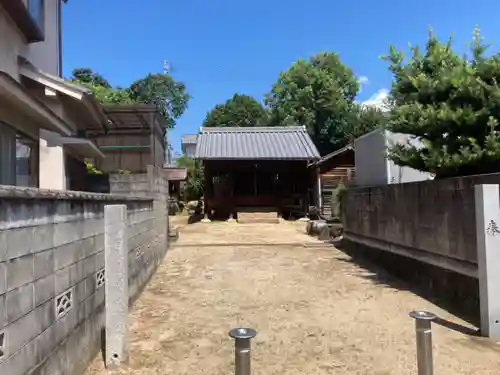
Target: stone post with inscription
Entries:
(487, 201)
(116, 273)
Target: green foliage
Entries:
(318, 93)
(240, 111)
(364, 120)
(168, 95)
(109, 95)
(91, 168)
(337, 201)
(193, 189)
(89, 77)
(451, 103)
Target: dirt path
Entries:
(316, 312)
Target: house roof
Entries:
(333, 154)
(15, 97)
(249, 143)
(75, 92)
(189, 138)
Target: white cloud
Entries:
(377, 100)
(363, 80)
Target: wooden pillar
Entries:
(207, 193)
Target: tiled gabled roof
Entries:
(250, 143)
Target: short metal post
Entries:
(423, 330)
(242, 337)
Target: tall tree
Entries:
(170, 96)
(451, 103)
(364, 120)
(239, 110)
(318, 93)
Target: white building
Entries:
(40, 113)
(188, 144)
(373, 166)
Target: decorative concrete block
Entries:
(116, 286)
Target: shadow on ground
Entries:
(451, 291)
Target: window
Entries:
(27, 163)
(7, 155)
(18, 158)
(36, 9)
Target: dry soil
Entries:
(315, 310)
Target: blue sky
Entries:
(222, 47)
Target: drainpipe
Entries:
(59, 36)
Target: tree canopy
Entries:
(239, 110)
(89, 77)
(451, 103)
(193, 189)
(170, 96)
(320, 93)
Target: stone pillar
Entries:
(487, 203)
(116, 287)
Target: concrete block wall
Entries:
(51, 275)
(432, 221)
(148, 240)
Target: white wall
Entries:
(397, 173)
(52, 167)
(190, 149)
(373, 166)
(12, 44)
(45, 55)
(370, 159)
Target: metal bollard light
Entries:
(242, 338)
(423, 330)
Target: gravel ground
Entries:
(316, 311)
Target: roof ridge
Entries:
(252, 129)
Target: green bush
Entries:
(337, 201)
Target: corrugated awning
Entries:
(17, 98)
(82, 147)
(333, 155)
(252, 143)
